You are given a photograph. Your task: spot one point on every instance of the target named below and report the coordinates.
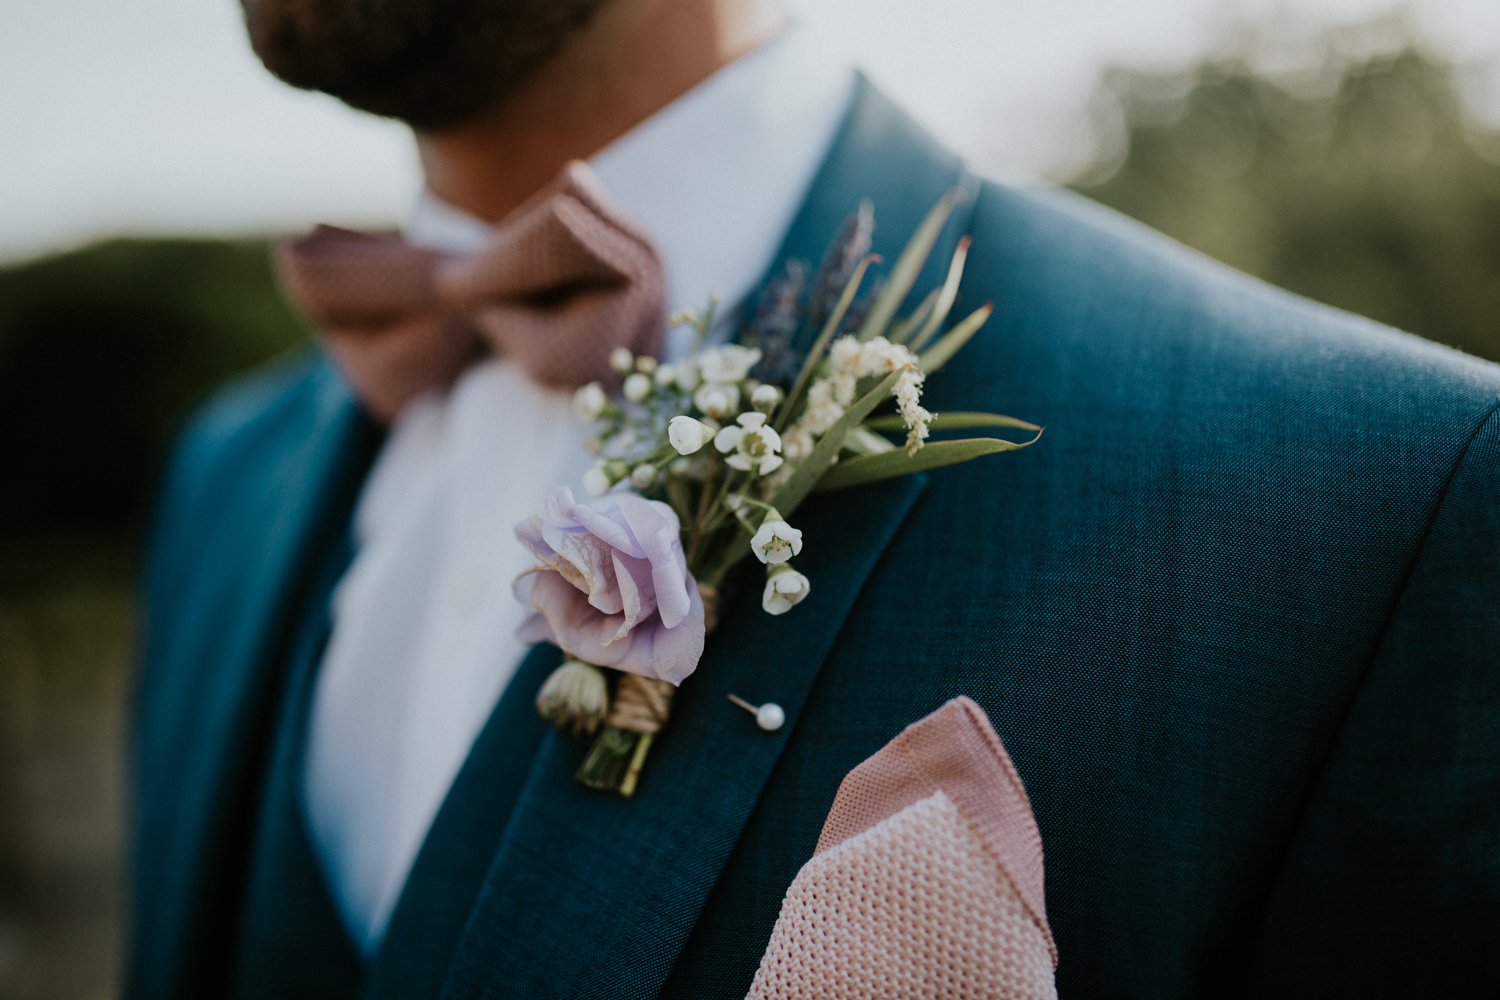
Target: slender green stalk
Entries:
(815, 355)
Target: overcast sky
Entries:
(152, 116)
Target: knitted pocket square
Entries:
(927, 879)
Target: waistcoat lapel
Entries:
(231, 571)
(590, 895)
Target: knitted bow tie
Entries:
(565, 280)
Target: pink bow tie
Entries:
(564, 281)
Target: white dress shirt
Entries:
(424, 622)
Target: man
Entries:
(1235, 617)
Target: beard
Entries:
(433, 64)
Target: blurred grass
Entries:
(1357, 178)
(65, 626)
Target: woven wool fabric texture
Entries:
(927, 880)
(565, 280)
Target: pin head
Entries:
(770, 717)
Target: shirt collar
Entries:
(715, 177)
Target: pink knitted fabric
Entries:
(565, 280)
(927, 880)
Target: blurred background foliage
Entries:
(1345, 166)
(103, 353)
(1357, 177)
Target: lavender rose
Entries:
(613, 587)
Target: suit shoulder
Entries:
(242, 432)
(1088, 269)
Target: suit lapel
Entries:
(590, 895)
(236, 582)
(585, 886)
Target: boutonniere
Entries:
(702, 465)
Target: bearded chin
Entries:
(434, 64)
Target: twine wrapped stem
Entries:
(641, 706)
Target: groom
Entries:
(1236, 617)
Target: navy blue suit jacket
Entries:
(1236, 618)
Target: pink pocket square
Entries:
(927, 879)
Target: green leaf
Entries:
(808, 473)
(829, 446)
(863, 441)
(902, 329)
(873, 468)
(951, 422)
(938, 354)
(820, 345)
(908, 266)
(946, 295)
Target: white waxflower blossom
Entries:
(687, 375)
(621, 360)
(754, 445)
(766, 398)
(637, 387)
(688, 435)
(596, 481)
(589, 401)
(728, 362)
(643, 475)
(645, 364)
(665, 375)
(717, 399)
(776, 541)
(785, 587)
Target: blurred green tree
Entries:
(105, 350)
(1358, 180)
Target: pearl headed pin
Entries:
(769, 716)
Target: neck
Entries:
(633, 59)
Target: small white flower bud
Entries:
(683, 317)
(776, 541)
(589, 402)
(621, 360)
(766, 398)
(687, 375)
(665, 375)
(643, 475)
(637, 387)
(645, 364)
(575, 696)
(717, 399)
(593, 444)
(688, 435)
(596, 481)
(785, 587)
(728, 362)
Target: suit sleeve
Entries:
(1391, 885)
